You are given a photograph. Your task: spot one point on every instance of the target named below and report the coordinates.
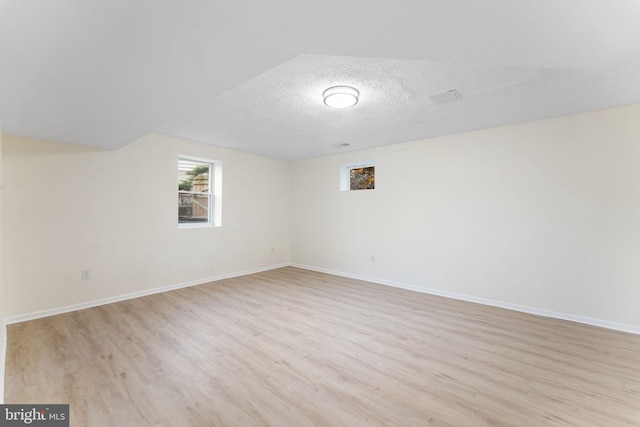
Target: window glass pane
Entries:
(193, 208)
(194, 191)
(362, 178)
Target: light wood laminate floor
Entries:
(290, 347)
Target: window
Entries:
(361, 176)
(198, 200)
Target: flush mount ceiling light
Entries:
(340, 96)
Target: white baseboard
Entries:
(516, 307)
(94, 303)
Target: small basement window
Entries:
(198, 200)
(361, 176)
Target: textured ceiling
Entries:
(249, 74)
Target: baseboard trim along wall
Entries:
(522, 308)
(94, 303)
(525, 309)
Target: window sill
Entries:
(196, 225)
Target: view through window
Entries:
(194, 191)
(362, 178)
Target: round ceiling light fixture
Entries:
(340, 96)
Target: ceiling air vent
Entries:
(446, 97)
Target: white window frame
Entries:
(214, 194)
(345, 173)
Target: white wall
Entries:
(544, 215)
(68, 208)
(3, 328)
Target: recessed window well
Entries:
(340, 96)
(360, 176)
(199, 192)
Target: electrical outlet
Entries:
(86, 274)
